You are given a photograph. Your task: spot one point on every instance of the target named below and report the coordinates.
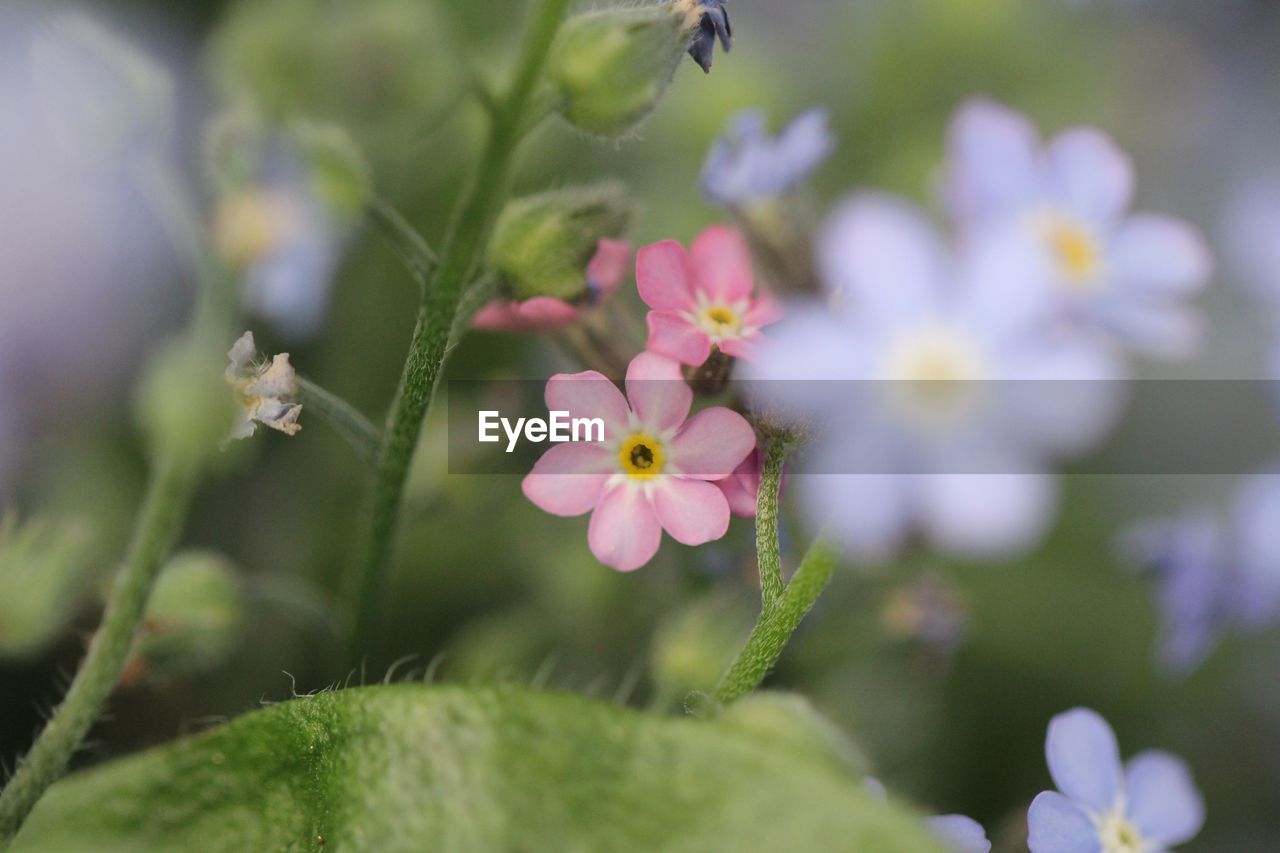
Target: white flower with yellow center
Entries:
(936, 382)
(1128, 275)
(267, 391)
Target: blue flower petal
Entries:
(1163, 801)
(1084, 759)
(960, 834)
(1059, 826)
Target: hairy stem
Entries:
(463, 250)
(768, 550)
(776, 625)
(407, 244)
(159, 524)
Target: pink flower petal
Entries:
(569, 478)
(540, 314)
(743, 348)
(765, 310)
(658, 393)
(675, 337)
(589, 395)
(609, 266)
(742, 488)
(711, 444)
(662, 276)
(722, 264)
(692, 511)
(624, 533)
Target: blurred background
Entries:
(945, 674)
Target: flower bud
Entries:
(611, 67)
(183, 402)
(543, 244)
(44, 571)
(193, 619)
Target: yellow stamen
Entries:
(1076, 250)
(720, 321)
(640, 456)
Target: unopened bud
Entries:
(193, 618)
(612, 67)
(543, 244)
(183, 403)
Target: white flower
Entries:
(936, 386)
(267, 391)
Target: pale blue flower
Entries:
(1129, 275)
(1148, 805)
(1213, 574)
(747, 165)
(293, 243)
(925, 432)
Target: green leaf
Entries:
(410, 767)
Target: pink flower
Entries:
(742, 488)
(547, 313)
(654, 471)
(702, 298)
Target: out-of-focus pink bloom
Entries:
(742, 487)
(653, 471)
(547, 313)
(703, 298)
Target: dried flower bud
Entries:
(266, 390)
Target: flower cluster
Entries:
(654, 470)
(966, 366)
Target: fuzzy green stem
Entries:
(343, 418)
(776, 626)
(463, 250)
(159, 523)
(407, 244)
(768, 550)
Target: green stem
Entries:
(776, 626)
(768, 550)
(159, 523)
(408, 245)
(462, 254)
(343, 418)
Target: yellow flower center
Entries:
(1117, 835)
(934, 375)
(640, 456)
(1075, 249)
(720, 321)
(246, 227)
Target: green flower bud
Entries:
(612, 67)
(193, 619)
(542, 244)
(183, 403)
(44, 573)
(337, 169)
